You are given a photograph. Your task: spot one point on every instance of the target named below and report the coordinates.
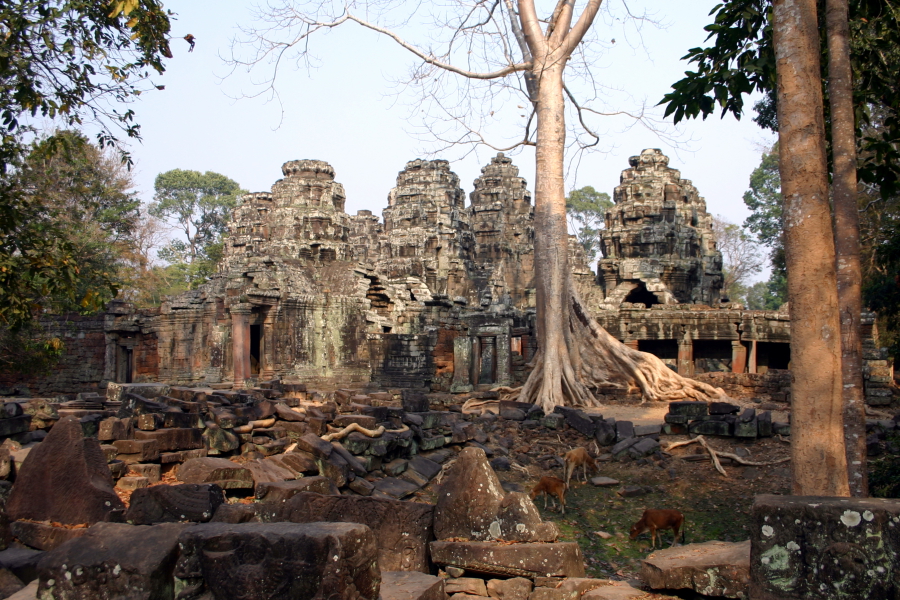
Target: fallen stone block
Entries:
(136, 451)
(711, 568)
(112, 561)
(316, 446)
(515, 588)
(43, 536)
(402, 529)
(466, 585)
(174, 503)
(624, 430)
(152, 472)
(644, 447)
(222, 472)
(65, 479)
(181, 456)
(561, 559)
(425, 467)
(469, 498)
(284, 490)
(267, 472)
(411, 585)
(396, 488)
(115, 392)
(29, 592)
(689, 408)
(825, 548)
(299, 463)
(605, 433)
(173, 439)
(112, 429)
(614, 590)
(279, 561)
(723, 408)
(721, 428)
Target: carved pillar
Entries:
(751, 367)
(462, 365)
(240, 339)
(267, 368)
(504, 362)
(738, 357)
(686, 356)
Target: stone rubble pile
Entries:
(309, 532)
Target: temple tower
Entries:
(658, 245)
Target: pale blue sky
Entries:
(344, 111)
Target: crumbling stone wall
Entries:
(439, 295)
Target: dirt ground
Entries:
(716, 507)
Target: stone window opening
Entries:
(640, 295)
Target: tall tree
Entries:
(70, 61)
(741, 258)
(199, 206)
(734, 67)
(846, 238)
(586, 210)
(765, 203)
(818, 451)
(523, 54)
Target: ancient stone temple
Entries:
(437, 296)
(658, 245)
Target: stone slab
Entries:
(278, 561)
(402, 529)
(112, 561)
(43, 536)
(561, 559)
(825, 548)
(196, 502)
(222, 472)
(411, 585)
(711, 568)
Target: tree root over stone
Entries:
(378, 432)
(586, 356)
(715, 454)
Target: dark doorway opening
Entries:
(255, 344)
(772, 355)
(129, 364)
(642, 296)
(712, 356)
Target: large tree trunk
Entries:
(817, 448)
(846, 238)
(574, 352)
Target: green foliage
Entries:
(72, 212)
(64, 59)
(28, 351)
(764, 295)
(586, 210)
(199, 205)
(69, 61)
(741, 60)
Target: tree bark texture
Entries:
(574, 352)
(846, 239)
(817, 448)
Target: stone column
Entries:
(738, 357)
(751, 367)
(686, 357)
(504, 362)
(462, 365)
(240, 339)
(267, 368)
(633, 344)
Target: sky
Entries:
(346, 110)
